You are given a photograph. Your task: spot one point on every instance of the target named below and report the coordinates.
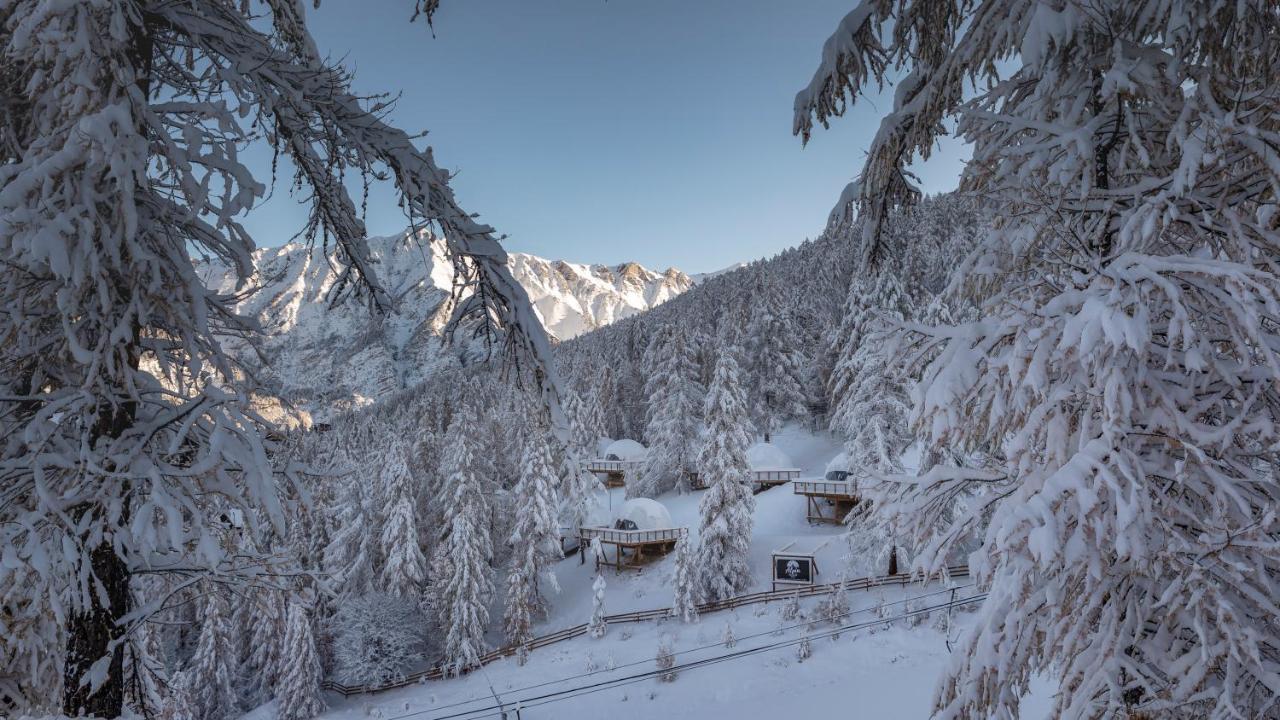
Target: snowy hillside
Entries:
(326, 357)
(892, 668)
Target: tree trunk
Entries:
(92, 634)
(95, 632)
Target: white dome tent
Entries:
(626, 451)
(830, 498)
(641, 526)
(769, 466)
(838, 469)
(618, 458)
(645, 514)
(767, 456)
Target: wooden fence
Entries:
(437, 672)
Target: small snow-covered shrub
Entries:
(665, 660)
(804, 650)
(728, 637)
(376, 638)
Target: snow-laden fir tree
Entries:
(774, 368)
(351, 558)
(212, 671)
(724, 538)
(597, 625)
(267, 651)
(685, 583)
(298, 692)
(674, 397)
(870, 406)
(404, 570)
(460, 568)
(127, 425)
(1125, 370)
(178, 704)
(535, 540)
(148, 683)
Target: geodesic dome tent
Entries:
(767, 456)
(838, 470)
(626, 451)
(645, 514)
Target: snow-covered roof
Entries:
(625, 450)
(646, 514)
(767, 456)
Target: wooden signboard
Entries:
(795, 568)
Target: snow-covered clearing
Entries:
(885, 672)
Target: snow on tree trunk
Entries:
(726, 508)
(298, 693)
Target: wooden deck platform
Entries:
(629, 546)
(760, 479)
(823, 495)
(614, 471)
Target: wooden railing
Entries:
(614, 466)
(819, 487)
(437, 672)
(779, 475)
(632, 537)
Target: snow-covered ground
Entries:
(874, 672)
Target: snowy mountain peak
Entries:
(327, 356)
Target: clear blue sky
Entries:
(650, 130)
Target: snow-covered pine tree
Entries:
(1125, 367)
(350, 558)
(404, 570)
(178, 703)
(871, 411)
(212, 669)
(597, 625)
(592, 420)
(120, 161)
(267, 656)
(774, 368)
(148, 675)
(461, 566)
(674, 395)
(685, 604)
(298, 693)
(727, 506)
(535, 539)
